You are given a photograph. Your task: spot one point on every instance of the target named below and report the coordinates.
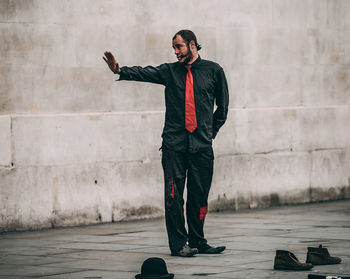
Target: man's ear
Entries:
(192, 45)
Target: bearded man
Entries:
(192, 87)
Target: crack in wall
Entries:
(12, 143)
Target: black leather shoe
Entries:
(207, 249)
(285, 260)
(320, 256)
(185, 251)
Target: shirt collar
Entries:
(195, 63)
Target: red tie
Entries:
(190, 108)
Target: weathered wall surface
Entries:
(77, 147)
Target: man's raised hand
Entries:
(111, 62)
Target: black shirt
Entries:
(210, 85)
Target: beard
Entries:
(188, 56)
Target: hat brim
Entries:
(165, 276)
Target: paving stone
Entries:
(326, 233)
(35, 251)
(163, 242)
(161, 251)
(97, 239)
(261, 273)
(200, 270)
(94, 274)
(107, 255)
(13, 277)
(33, 271)
(4, 243)
(31, 260)
(99, 246)
(96, 264)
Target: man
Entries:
(192, 86)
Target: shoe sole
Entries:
(184, 256)
(218, 250)
(322, 263)
(283, 267)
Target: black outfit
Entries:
(185, 152)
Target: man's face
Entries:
(182, 52)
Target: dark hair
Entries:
(188, 36)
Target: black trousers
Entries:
(198, 169)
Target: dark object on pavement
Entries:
(285, 260)
(185, 251)
(320, 256)
(207, 249)
(154, 268)
(319, 276)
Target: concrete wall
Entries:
(77, 147)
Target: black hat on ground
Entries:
(154, 268)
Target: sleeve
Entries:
(150, 74)
(222, 101)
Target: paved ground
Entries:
(118, 250)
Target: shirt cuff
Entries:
(122, 74)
